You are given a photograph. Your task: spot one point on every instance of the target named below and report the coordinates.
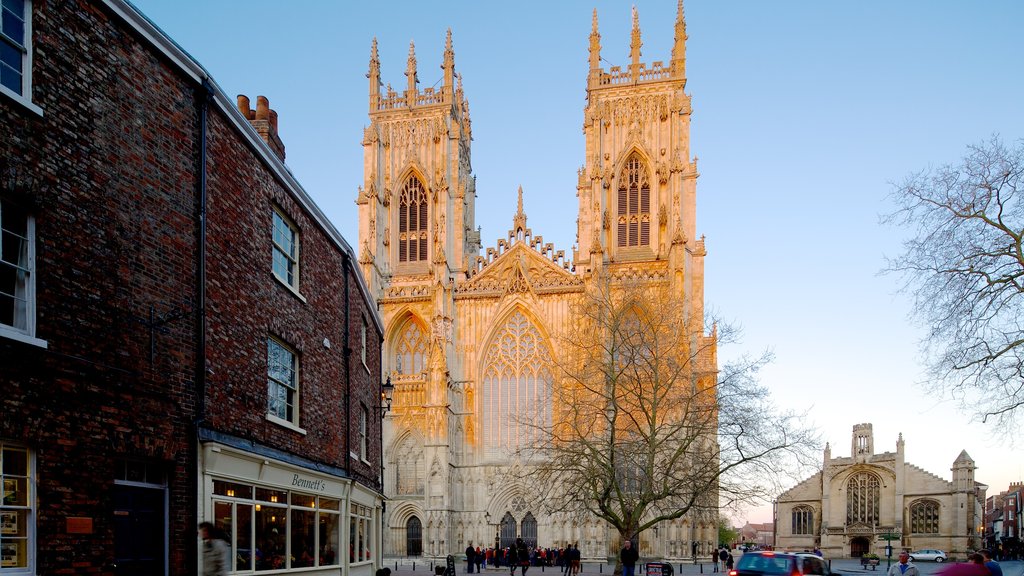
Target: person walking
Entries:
(216, 550)
(993, 567)
(470, 558)
(628, 556)
(904, 567)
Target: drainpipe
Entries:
(347, 268)
(204, 95)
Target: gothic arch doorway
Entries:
(529, 532)
(414, 537)
(859, 546)
(508, 530)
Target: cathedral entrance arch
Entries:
(414, 537)
(529, 533)
(508, 530)
(859, 546)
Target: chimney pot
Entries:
(243, 105)
(262, 108)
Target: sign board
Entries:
(658, 569)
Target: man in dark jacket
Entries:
(628, 556)
(470, 558)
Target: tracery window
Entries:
(924, 517)
(409, 466)
(411, 350)
(803, 520)
(412, 222)
(634, 202)
(862, 499)
(516, 385)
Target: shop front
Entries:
(281, 517)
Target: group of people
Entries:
(723, 556)
(981, 560)
(522, 555)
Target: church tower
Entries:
(471, 334)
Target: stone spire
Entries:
(519, 220)
(595, 48)
(449, 64)
(410, 73)
(679, 48)
(634, 47)
(374, 76)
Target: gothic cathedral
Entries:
(468, 333)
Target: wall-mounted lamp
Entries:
(387, 391)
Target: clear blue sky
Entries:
(804, 113)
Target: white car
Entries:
(928, 554)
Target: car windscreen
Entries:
(764, 564)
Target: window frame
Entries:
(24, 96)
(802, 521)
(364, 431)
(293, 421)
(26, 334)
(413, 203)
(630, 211)
(290, 256)
(28, 508)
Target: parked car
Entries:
(769, 563)
(928, 554)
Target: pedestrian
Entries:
(992, 565)
(714, 560)
(722, 555)
(904, 567)
(216, 550)
(470, 558)
(628, 556)
(479, 556)
(728, 561)
(575, 559)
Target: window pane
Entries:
(231, 489)
(15, 462)
(267, 495)
(243, 537)
(271, 528)
(14, 27)
(329, 530)
(303, 538)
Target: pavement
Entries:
(842, 566)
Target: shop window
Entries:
(359, 535)
(17, 510)
(262, 538)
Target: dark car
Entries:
(767, 563)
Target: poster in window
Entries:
(8, 554)
(9, 522)
(10, 491)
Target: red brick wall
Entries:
(107, 172)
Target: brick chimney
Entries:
(264, 120)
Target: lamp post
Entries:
(387, 392)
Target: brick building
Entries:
(183, 335)
(1002, 522)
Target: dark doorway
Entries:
(508, 530)
(414, 537)
(530, 530)
(859, 547)
(139, 528)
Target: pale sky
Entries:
(804, 113)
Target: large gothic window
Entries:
(924, 517)
(862, 499)
(409, 466)
(803, 520)
(410, 350)
(412, 222)
(634, 215)
(516, 386)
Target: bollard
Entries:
(600, 568)
(396, 565)
(701, 567)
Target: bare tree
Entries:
(964, 268)
(645, 428)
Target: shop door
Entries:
(139, 528)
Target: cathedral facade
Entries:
(470, 334)
(862, 503)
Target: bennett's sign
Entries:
(308, 483)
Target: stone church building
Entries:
(857, 504)
(470, 333)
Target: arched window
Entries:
(634, 203)
(508, 530)
(862, 499)
(414, 537)
(529, 525)
(409, 466)
(516, 381)
(803, 520)
(412, 222)
(411, 350)
(924, 517)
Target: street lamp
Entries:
(387, 391)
